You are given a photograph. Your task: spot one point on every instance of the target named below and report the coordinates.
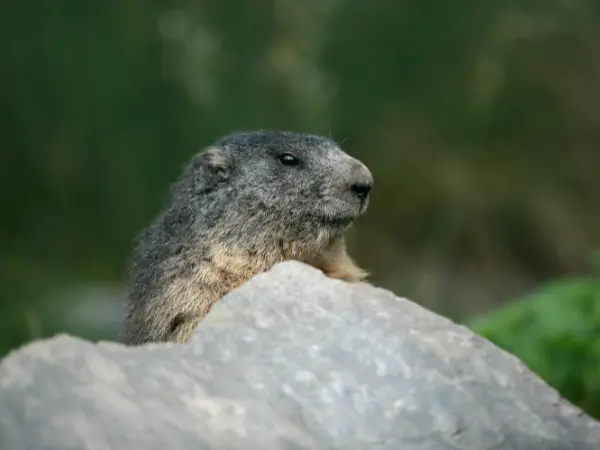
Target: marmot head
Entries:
(276, 184)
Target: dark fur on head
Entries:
(250, 200)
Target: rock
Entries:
(291, 360)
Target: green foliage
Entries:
(555, 331)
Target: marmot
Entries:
(243, 204)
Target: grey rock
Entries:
(291, 360)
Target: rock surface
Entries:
(291, 360)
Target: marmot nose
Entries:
(362, 189)
(363, 182)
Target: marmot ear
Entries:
(214, 162)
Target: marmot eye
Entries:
(287, 159)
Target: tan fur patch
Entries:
(334, 262)
(227, 269)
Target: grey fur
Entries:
(235, 211)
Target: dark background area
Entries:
(480, 121)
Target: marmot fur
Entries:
(245, 203)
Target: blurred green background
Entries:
(479, 119)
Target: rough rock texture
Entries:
(292, 360)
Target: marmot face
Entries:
(245, 203)
(297, 185)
